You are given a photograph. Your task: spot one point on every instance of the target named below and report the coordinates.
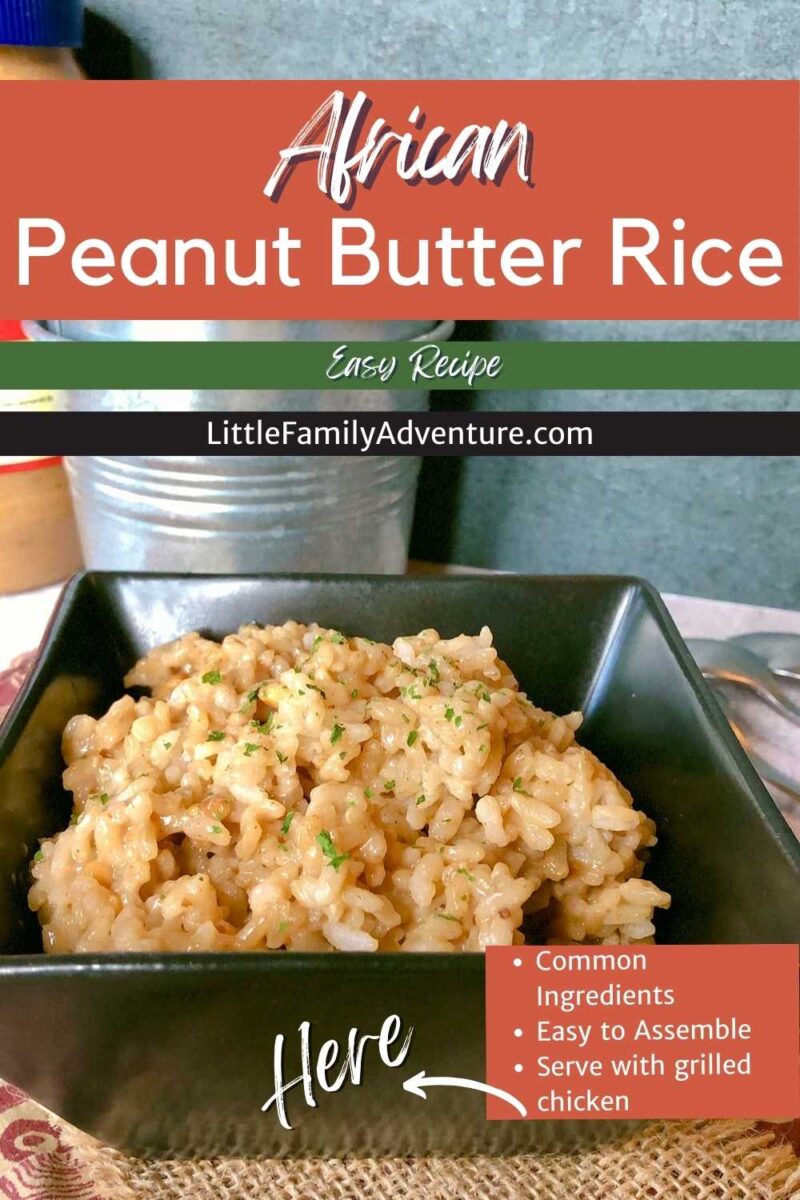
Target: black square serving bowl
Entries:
(174, 1054)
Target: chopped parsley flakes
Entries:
(464, 871)
(412, 737)
(517, 784)
(336, 733)
(449, 713)
(38, 856)
(282, 758)
(212, 677)
(251, 697)
(216, 735)
(287, 822)
(326, 845)
(250, 748)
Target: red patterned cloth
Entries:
(37, 1161)
(12, 680)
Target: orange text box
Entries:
(709, 165)
(616, 1032)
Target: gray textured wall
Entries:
(720, 527)
(505, 39)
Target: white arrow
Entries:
(419, 1082)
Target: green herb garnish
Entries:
(449, 713)
(336, 733)
(459, 721)
(251, 698)
(38, 856)
(447, 917)
(282, 758)
(212, 677)
(216, 735)
(354, 694)
(284, 925)
(287, 822)
(315, 643)
(388, 785)
(412, 737)
(517, 784)
(433, 668)
(464, 871)
(368, 793)
(216, 829)
(250, 748)
(326, 844)
(420, 799)
(337, 638)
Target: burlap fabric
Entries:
(43, 1159)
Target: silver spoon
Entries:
(733, 663)
(780, 651)
(767, 770)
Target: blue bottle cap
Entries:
(41, 22)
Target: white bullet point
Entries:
(517, 1033)
(518, 1067)
(517, 962)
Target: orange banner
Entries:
(605, 1032)
(579, 199)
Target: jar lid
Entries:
(41, 22)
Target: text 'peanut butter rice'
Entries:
(294, 788)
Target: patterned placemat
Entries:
(41, 1158)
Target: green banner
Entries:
(312, 366)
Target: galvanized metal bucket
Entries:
(235, 515)
(238, 331)
(240, 515)
(232, 400)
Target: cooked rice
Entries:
(294, 788)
